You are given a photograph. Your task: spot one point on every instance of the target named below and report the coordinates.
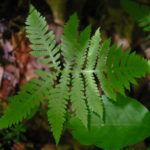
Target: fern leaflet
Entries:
(43, 43)
(57, 106)
(22, 104)
(119, 70)
(78, 99)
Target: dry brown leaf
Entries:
(19, 146)
(1, 74)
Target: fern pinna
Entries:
(81, 64)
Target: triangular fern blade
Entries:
(69, 44)
(28, 98)
(83, 41)
(93, 98)
(73, 44)
(58, 100)
(42, 41)
(119, 70)
(19, 108)
(56, 114)
(15, 114)
(78, 98)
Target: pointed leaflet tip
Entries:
(71, 26)
(31, 8)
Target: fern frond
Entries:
(78, 98)
(119, 70)
(74, 44)
(58, 100)
(22, 104)
(83, 62)
(69, 45)
(92, 93)
(43, 43)
(84, 40)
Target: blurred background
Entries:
(17, 66)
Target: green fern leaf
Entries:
(120, 69)
(69, 39)
(78, 98)
(43, 43)
(58, 100)
(92, 93)
(72, 43)
(22, 104)
(93, 99)
(83, 62)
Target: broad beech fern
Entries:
(81, 65)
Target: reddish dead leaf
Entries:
(147, 53)
(8, 50)
(19, 146)
(12, 73)
(10, 79)
(121, 41)
(5, 89)
(21, 48)
(58, 30)
(1, 74)
(48, 147)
